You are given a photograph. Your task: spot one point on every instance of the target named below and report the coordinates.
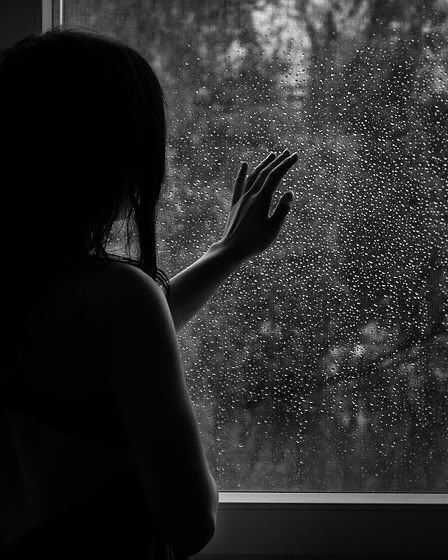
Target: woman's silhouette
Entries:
(92, 388)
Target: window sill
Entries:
(271, 499)
(322, 525)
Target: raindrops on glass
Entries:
(322, 364)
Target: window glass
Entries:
(321, 365)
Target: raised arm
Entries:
(191, 288)
(249, 230)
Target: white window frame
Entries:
(279, 524)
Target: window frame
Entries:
(279, 524)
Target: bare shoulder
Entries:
(118, 280)
(128, 310)
(119, 289)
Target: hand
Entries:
(249, 229)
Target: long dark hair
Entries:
(83, 132)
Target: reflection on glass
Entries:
(321, 365)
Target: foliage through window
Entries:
(321, 365)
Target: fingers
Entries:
(253, 176)
(265, 172)
(274, 177)
(257, 178)
(239, 185)
(279, 215)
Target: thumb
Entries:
(281, 211)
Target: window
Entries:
(321, 366)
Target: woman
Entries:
(93, 390)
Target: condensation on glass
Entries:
(322, 364)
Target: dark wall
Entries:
(18, 18)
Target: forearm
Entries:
(191, 288)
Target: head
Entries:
(83, 137)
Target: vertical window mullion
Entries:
(47, 14)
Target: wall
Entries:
(18, 18)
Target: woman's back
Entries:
(111, 404)
(63, 421)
